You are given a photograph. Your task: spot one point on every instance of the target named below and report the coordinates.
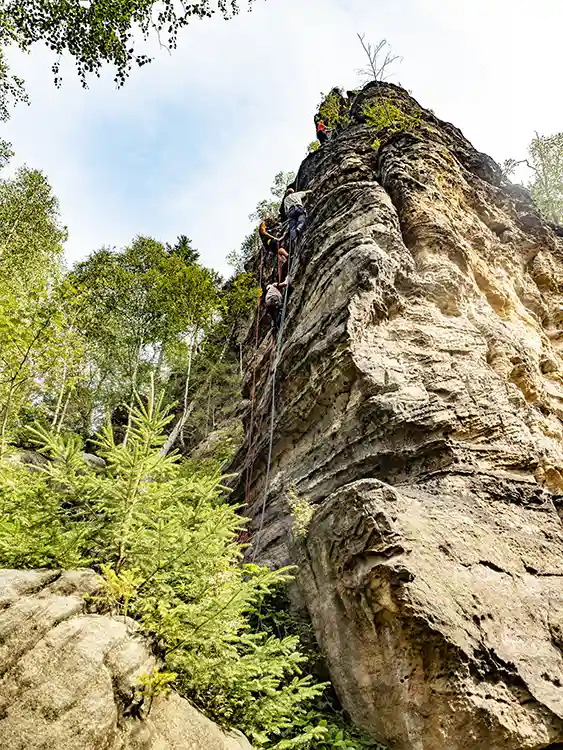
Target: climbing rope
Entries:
(249, 470)
(252, 445)
(291, 260)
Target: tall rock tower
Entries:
(418, 408)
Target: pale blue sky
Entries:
(192, 142)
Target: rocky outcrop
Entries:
(419, 407)
(221, 442)
(67, 677)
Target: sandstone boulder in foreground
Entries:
(67, 677)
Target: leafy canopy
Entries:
(334, 110)
(546, 153)
(34, 301)
(99, 32)
(139, 303)
(545, 162)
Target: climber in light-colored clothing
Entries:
(295, 210)
(274, 303)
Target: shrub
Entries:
(326, 723)
(333, 111)
(301, 512)
(384, 116)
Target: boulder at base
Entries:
(68, 677)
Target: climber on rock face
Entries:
(322, 132)
(295, 210)
(272, 245)
(274, 303)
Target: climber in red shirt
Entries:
(322, 132)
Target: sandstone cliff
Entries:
(419, 407)
(67, 677)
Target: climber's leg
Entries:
(292, 216)
(282, 271)
(297, 220)
(301, 221)
(275, 314)
(283, 265)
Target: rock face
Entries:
(67, 677)
(419, 408)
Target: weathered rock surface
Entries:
(419, 407)
(224, 440)
(67, 677)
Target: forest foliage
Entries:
(133, 355)
(95, 35)
(545, 168)
(78, 344)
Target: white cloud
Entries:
(197, 136)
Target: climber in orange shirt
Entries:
(273, 247)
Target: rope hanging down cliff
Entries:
(251, 456)
(273, 407)
(249, 471)
(271, 245)
(293, 210)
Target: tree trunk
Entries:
(133, 392)
(63, 413)
(13, 383)
(5, 419)
(186, 410)
(60, 399)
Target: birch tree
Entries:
(146, 304)
(546, 160)
(31, 313)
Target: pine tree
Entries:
(164, 540)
